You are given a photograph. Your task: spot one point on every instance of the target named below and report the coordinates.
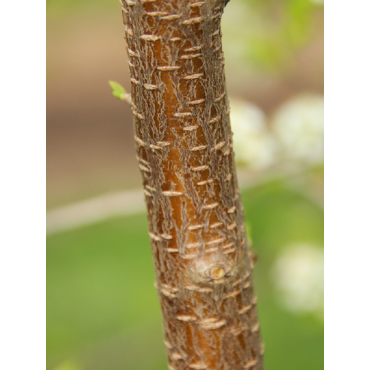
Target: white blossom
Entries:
(254, 146)
(299, 128)
(298, 275)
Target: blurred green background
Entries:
(102, 309)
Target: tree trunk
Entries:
(184, 148)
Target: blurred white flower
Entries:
(298, 275)
(299, 127)
(254, 146)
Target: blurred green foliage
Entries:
(68, 365)
(102, 309)
(270, 31)
(61, 8)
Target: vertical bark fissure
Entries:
(184, 150)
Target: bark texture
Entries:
(184, 149)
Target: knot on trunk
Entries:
(217, 269)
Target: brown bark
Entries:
(184, 148)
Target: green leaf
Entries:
(118, 90)
(117, 94)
